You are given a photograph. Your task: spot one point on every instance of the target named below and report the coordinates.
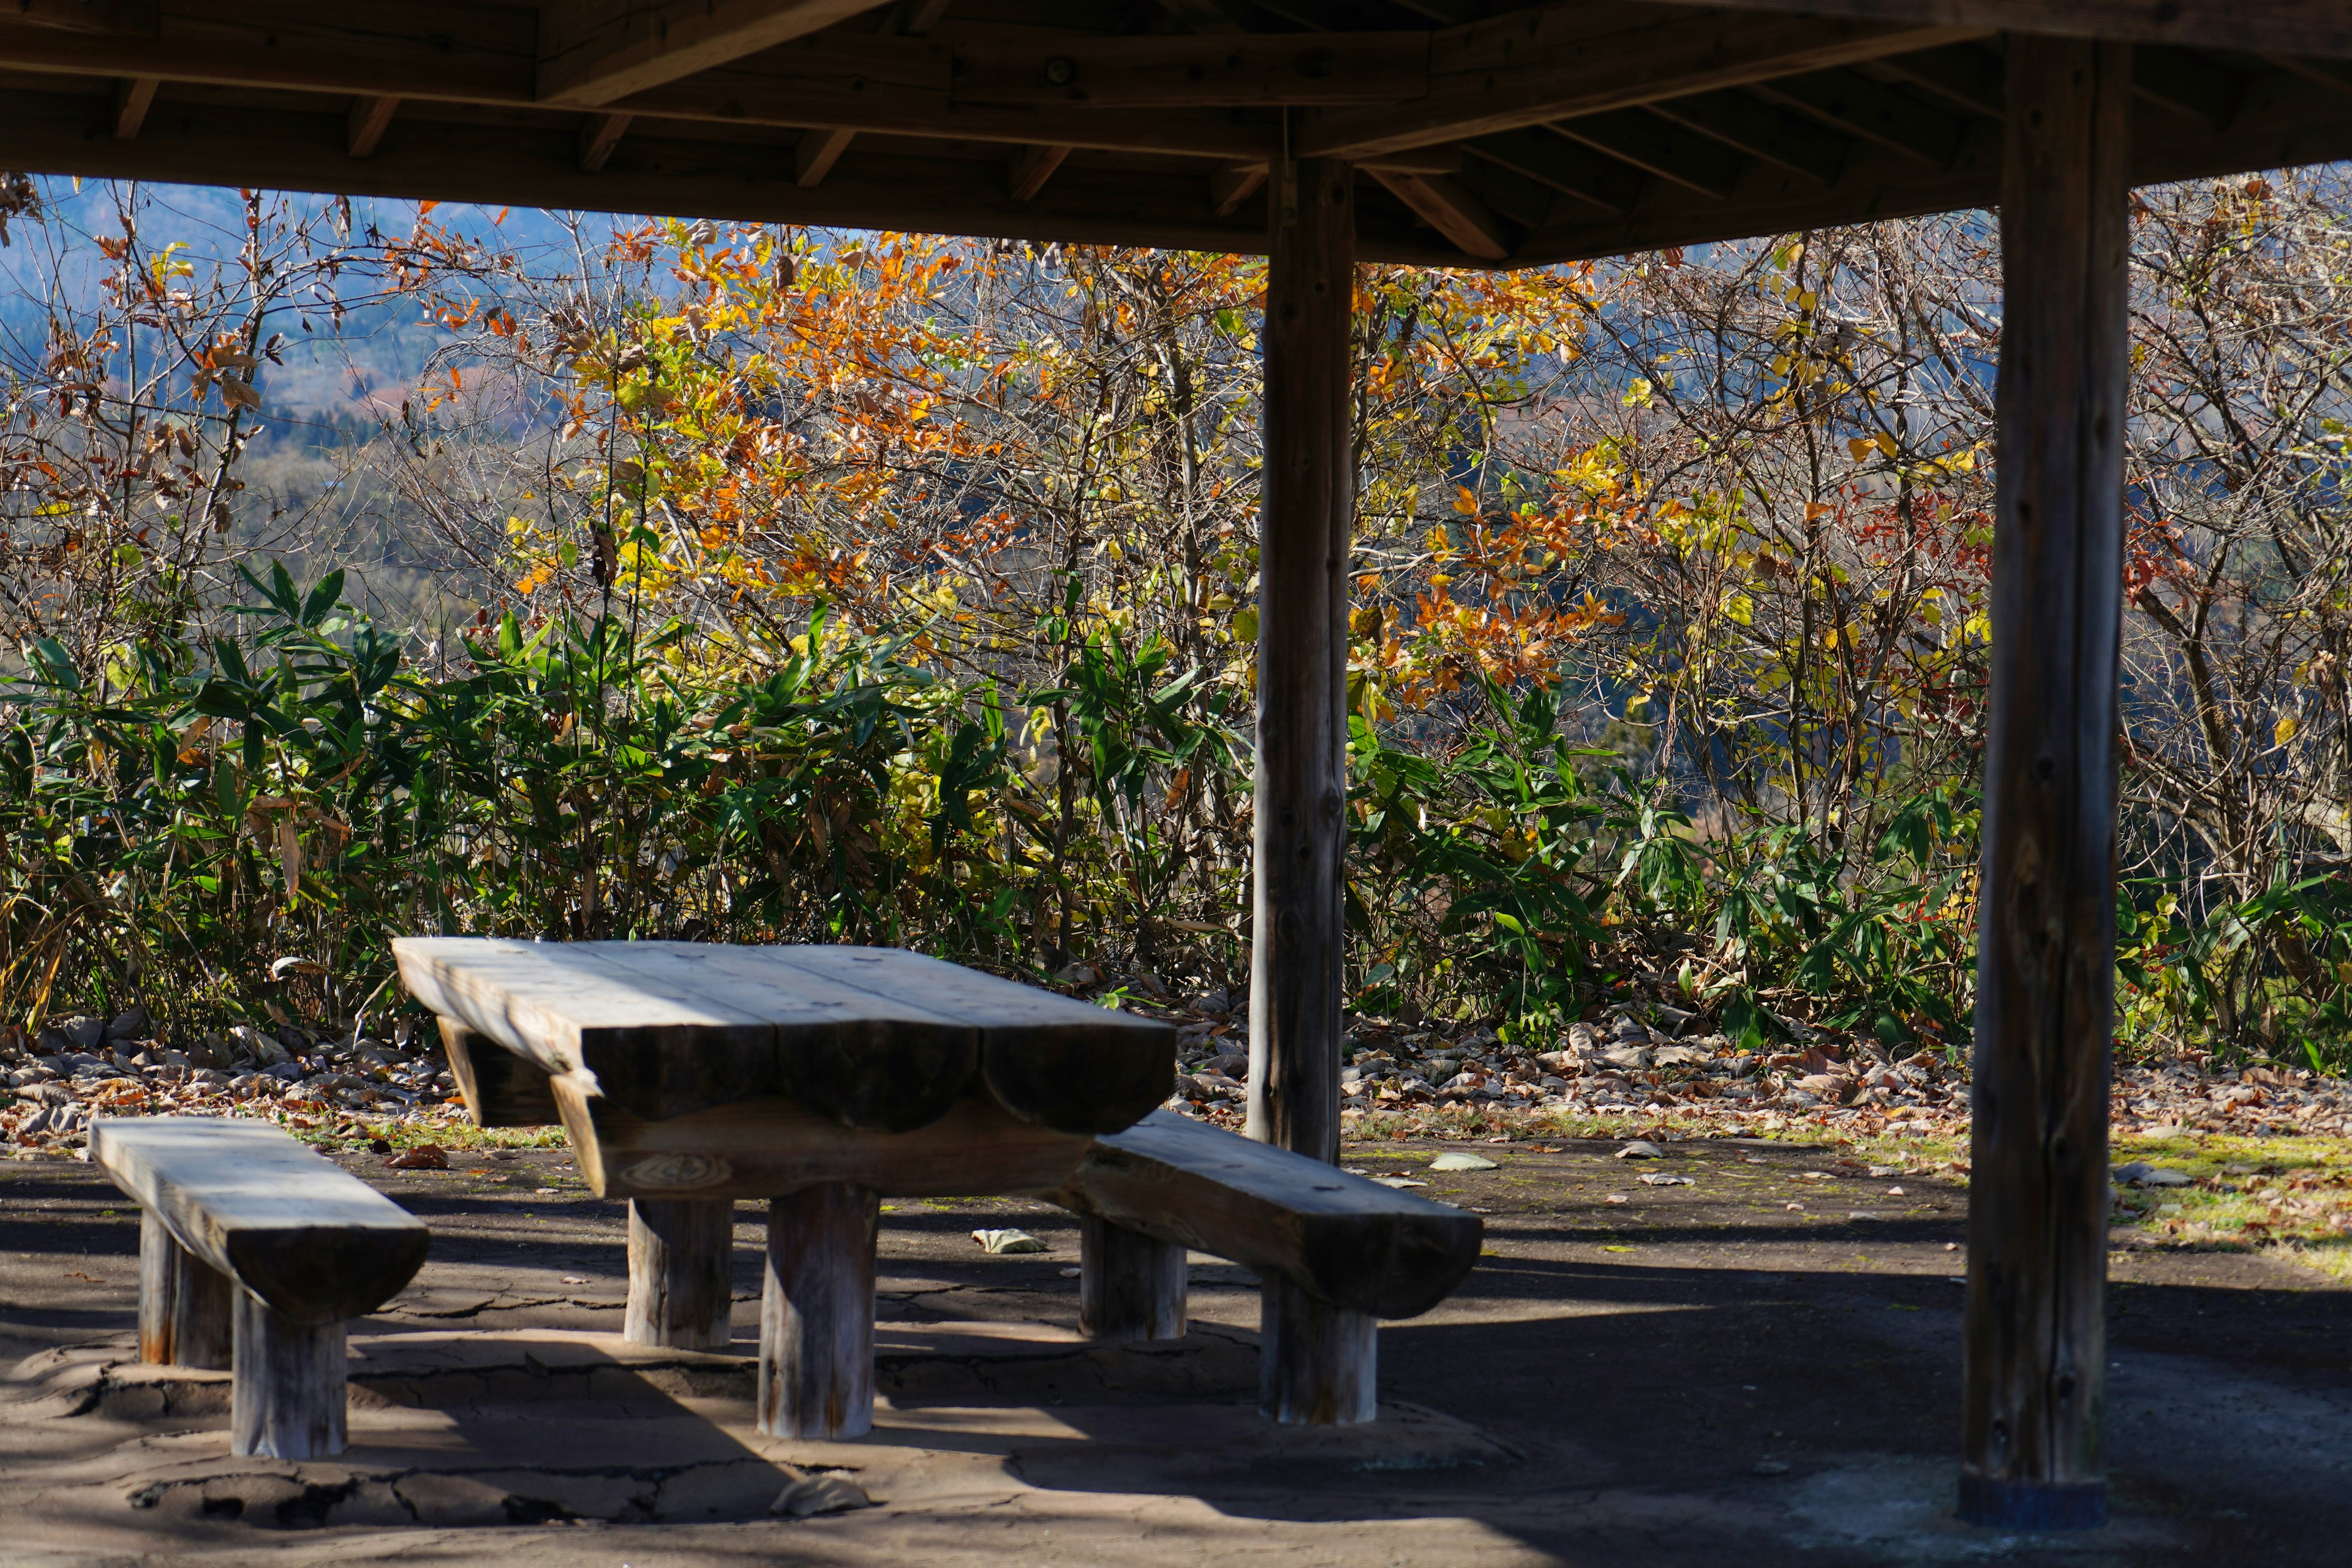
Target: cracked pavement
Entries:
(1694, 1375)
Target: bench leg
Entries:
(681, 1272)
(185, 1305)
(1319, 1364)
(817, 1316)
(287, 1395)
(1129, 1285)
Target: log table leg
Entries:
(185, 1305)
(681, 1272)
(1131, 1287)
(816, 1314)
(287, 1395)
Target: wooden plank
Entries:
(1544, 155)
(1068, 1065)
(1029, 169)
(1554, 63)
(599, 134)
(2194, 86)
(133, 97)
(1131, 1287)
(1658, 146)
(1317, 1364)
(370, 117)
(2283, 27)
(184, 1303)
(2035, 1334)
(592, 52)
(1341, 1239)
(1761, 130)
(1190, 72)
(1304, 537)
(315, 1243)
(1899, 121)
(681, 1273)
(287, 1391)
(92, 18)
(816, 152)
(1453, 210)
(757, 1148)
(883, 1061)
(816, 1315)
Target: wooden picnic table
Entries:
(822, 1078)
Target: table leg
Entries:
(1131, 1287)
(184, 1303)
(681, 1272)
(1317, 1364)
(816, 1315)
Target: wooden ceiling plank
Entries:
(593, 52)
(2321, 27)
(1530, 66)
(1964, 76)
(816, 153)
(1449, 207)
(1572, 169)
(1852, 102)
(1231, 185)
(370, 117)
(2192, 85)
(92, 16)
(599, 134)
(133, 97)
(1761, 130)
(1187, 71)
(1659, 147)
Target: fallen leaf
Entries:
(1456, 1160)
(424, 1157)
(1641, 1149)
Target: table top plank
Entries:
(878, 1063)
(1073, 1066)
(313, 1240)
(875, 1039)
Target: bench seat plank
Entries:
(1343, 1239)
(315, 1243)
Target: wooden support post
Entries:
(1318, 1361)
(2035, 1341)
(681, 1273)
(816, 1316)
(1131, 1287)
(1314, 1357)
(186, 1310)
(287, 1393)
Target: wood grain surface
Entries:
(1342, 1238)
(316, 1244)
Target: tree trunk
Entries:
(1306, 518)
(2035, 1339)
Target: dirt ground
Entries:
(1697, 1374)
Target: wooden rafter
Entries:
(1453, 210)
(369, 118)
(593, 52)
(2284, 27)
(133, 97)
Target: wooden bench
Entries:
(253, 1251)
(1350, 1250)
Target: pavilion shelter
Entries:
(1477, 133)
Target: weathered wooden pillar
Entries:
(1306, 518)
(186, 1307)
(2045, 959)
(681, 1273)
(287, 1390)
(1131, 1287)
(816, 1316)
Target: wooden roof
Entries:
(1488, 131)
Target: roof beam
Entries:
(133, 97)
(1030, 169)
(592, 52)
(1873, 112)
(599, 134)
(1547, 158)
(1191, 71)
(1447, 206)
(2279, 27)
(369, 118)
(1561, 61)
(1761, 130)
(1671, 151)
